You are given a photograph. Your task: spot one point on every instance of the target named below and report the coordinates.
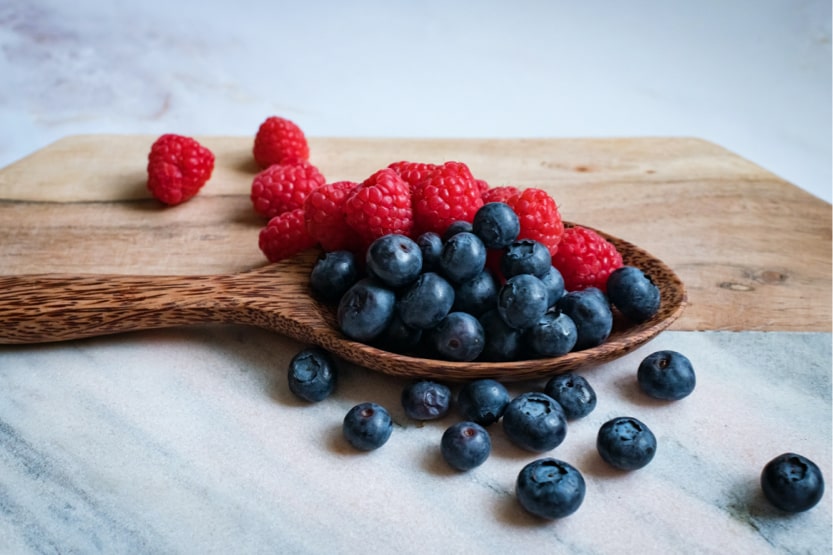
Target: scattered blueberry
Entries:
(666, 375)
(554, 282)
(396, 260)
(573, 393)
(367, 426)
(463, 257)
(312, 374)
(483, 401)
(633, 293)
(503, 342)
(426, 301)
(456, 227)
(332, 275)
(535, 421)
(476, 295)
(426, 400)
(626, 443)
(465, 445)
(792, 483)
(496, 224)
(590, 311)
(431, 245)
(550, 488)
(553, 335)
(365, 310)
(522, 300)
(526, 256)
(459, 336)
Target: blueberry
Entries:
(483, 401)
(426, 301)
(396, 260)
(333, 274)
(431, 245)
(526, 257)
(365, 310)
(633, 293)
(792, 483)
(503, 342)
(426, 400)
(553, 335)
(367, 426)
(522, 300)
(476, 295)
(465, 445)
(550, 488)
(626, 443)
(398, 336)
(496, 224)
(573, 393)
(463, 257)
(590, 311)
(554, 282)
(312, 374)
(666, 375)
(459, 337)
(456, 227)
(535, 421)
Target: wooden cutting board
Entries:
(753, 250)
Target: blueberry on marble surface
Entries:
(427, 301)
(626, 443)
(367, 426)
(365, 310)
(483, 401)
(666, 375)
(333, 274)
(526, 256)
(522, 301)
(394, 259)
(550, 488)
(459, 337)
(633, 293)
(574, 393)
(463, 257)
(792, 483)
(590, 311)
(496, 224)
(312, 374)
(535, 421)
(426, 400)
(465, 445)
(553, 335)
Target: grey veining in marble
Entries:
(188, 441)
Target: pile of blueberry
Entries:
(439, 295)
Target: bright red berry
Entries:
(326, 219)
(482, 186)
(499, 194)
(539, 217)
(283, 187)
(379, 205)
(448, 195)
(178, 167)
(585, 259)
(413, 172)
(279, 141)
(285, 235)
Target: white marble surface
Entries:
(188, 441)
(754, 77)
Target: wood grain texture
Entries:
(753, 250)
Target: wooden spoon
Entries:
(52, 307)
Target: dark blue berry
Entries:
(553, 335)
(626, 443)
(367, 426)
(399, 337)
(312, 374)
(792, 483)
(573, 393)
(526, 257)
(633, 293)
(496, 224)
(535, 421)
(476, 295)
(590, 312)
(332, 275)
(463, 257)
(426, 400)
(456, 227)
(459, 336)
(550, 488)
(483, 401)
(431, 245)
(427, 301)
(365, 310)
(465, 445)
(503, 342)
(522, 300)
(396, 260)
(666, 375)
(554, 282)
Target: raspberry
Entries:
(325, 218)
(413, 172)
(279, 141)
(482, 186)
(585, 259)
(178, 167)
(285, 236)
(379, 206)
(448, 195)
(499, 194)
(283, 187)
(539, 216)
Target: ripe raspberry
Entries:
(279, 141)
(178, 167)
(448, 195)
(585, 259)
(378, 206)
(325, 217)
(539, 216)
(413, 172)
(283, 187)
(499, 194)
(285, 236)
(482, 186)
